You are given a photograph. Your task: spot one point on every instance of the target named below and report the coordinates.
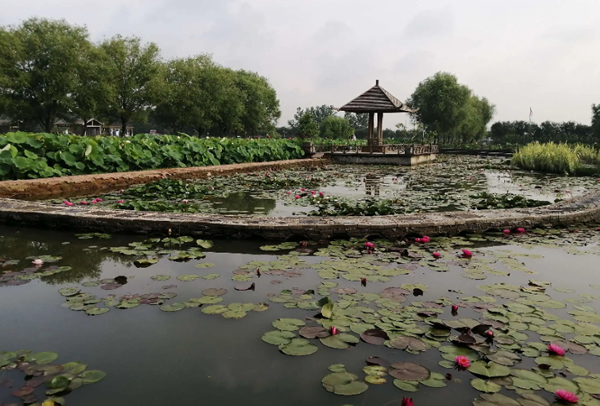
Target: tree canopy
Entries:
(50, 70)
(449, 111)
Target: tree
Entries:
(449, 110)
(92, 91)
(358, 121)
(261, 106)
(307, 126)
(319, 113)
(336, 128)
(596, 122)
(40, 62)
(133, 71)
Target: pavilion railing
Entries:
(399, 149)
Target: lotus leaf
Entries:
(298, 347)
(485, 386)
(489, 369)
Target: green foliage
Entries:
(318, 113)
(24, 155)
(449, 110)
(336, 128)
(554, 158)
(307, 126)
(201, 96)
(40, 62)
(523, 132)
(505, 201)
(133, 72)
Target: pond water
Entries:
(453, 183)
(529, 289)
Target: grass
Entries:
(556, 158)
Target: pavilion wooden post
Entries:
(370, 135)
(380, 128)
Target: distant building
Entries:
(93, 128)
(9, 126)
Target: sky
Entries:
(520, 54)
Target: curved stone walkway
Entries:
(583, 209)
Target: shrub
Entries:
(26, 155)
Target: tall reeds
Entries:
(555, 158)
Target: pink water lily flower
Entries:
(507, 232)
(321, 194)
(407, 402)
(68, 203)
(313, 192)
(289, 192)
(463, 361)
(425, 239)
(297, 196)
(556, 349)
(369, 245)
(566, 396)
(489, 333)
(185, 201)
(521, 230)
(334, 331)
(37, 262)
(418, 240)
(120, 201)
(99, 200)
(83, 202)
(437, 255)
(303, 190)
(467, 253)
(454, 308)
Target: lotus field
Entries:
(30, 156)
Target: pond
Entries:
(453, 183)
(174, 320)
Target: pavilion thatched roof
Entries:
(376, 100)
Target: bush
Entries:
(551, 157)
(26, 155)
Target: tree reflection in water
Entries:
(86, 263)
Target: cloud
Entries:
(430, 24)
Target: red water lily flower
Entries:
(99, 200)
(566, 396)
(463, 361)
(297, 196)
(334, 331)
(68, 203)
(369, 245)
(120, 201)
(418, 240)
(303, 190)
(313, 192)
(321, 194)
(467, 253)
(83, 202)
(437, 255)
(507, 232)
(521, 230)
(556, 349)
(289, 192)
(407, 402)
(454, 308)
(425, 239)
(489, 333)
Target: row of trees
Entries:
(50, 70)
(523, 132)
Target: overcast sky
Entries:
(543, 54)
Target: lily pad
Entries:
(173, 307)
(298, 347)
(407, 371)
(92, 376)
(489, 369)
(485, 386)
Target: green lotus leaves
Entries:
(173, 307)
(589, 385)
(215, 309)
(344, 384)
(411, 344)
(558, 382)
(187, 278)
(406, 386)
(553, 362)
(92, 376)
(206, 244)
(96, 311)
(488, 369)
(340, 341)
(485, 386)
(527, 379)
(214, 292)
(67, 292)
(298, 347)
(435, 380)
(43, 358)
(288, 324)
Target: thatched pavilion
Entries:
(376, 100)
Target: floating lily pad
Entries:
(339, 341)
(485, 386)
(214, 292)
(173, 307)
(489, 369)
(160, 277)
(298, 347)
(96, 311)
(278, 337)
(188, 278)
(67, 292)
(92, 376)
(407, 371)
(43, 358)
(288, 324)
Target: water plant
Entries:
(554, 158)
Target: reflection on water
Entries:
(157, 358)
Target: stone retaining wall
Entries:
(584, 209)
(69, 186)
